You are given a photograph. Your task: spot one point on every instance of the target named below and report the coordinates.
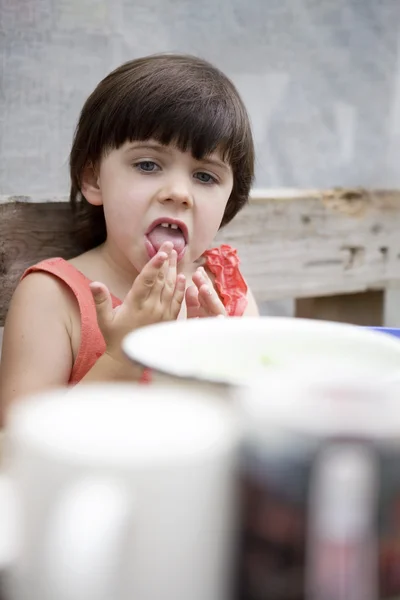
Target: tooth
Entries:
(174, 226)
(164, 224)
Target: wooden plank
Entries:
(360, 309)
(292, 243)
(30, 232)
(336, 242)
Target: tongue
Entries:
(159, 235)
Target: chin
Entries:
(137, 263)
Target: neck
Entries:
(118, 271)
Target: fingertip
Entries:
(197, 278)
(96, 287)
(167, 247)
(100, 293)
(181, 280)
(201, 276)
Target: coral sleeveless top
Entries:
(222, 262)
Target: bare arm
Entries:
(252, 308)
(36, 346)
(37, 353)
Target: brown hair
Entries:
(170, 98)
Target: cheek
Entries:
(122, 216)
(210, 216)
(123, 202)
(216, 207)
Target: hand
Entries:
(201, 298)
(156, 295)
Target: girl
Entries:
(162, 157)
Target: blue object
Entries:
(389, 330)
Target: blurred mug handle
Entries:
(84, 542)
(341, 544)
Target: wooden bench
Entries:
(335, 251)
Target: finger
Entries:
(147, 278)
(199, 278)
(170, 279)
(202, 276)
(208, 297)
(158, 288)
(148, 275)
(205, 274)
(192, 302)
(103, 304)
(166, 247)
(178, 296)
(210, 301)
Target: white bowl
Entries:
(232, 351)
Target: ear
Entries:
(90, 187)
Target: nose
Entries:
(178, 191)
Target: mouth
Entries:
(163, 230)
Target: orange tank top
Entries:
(222, 262)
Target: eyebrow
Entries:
(148, 146)
(215, 162)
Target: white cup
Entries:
(119, 492)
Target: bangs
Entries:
(200, 130)
(194, 112)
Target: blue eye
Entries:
(146, 166)
(205, 177)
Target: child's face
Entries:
(144, 184)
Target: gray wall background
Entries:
(321, 79)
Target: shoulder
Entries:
(36, 352)
(40, 290)
(41, 306)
